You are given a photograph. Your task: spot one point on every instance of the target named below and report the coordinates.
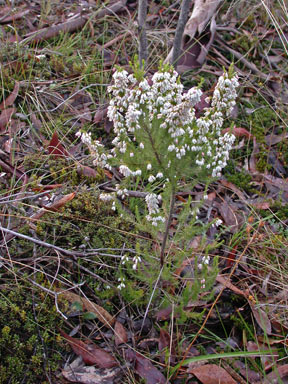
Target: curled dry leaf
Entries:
(239, 132)
(61, 202)
(54, 206)
(5, 117)
(86, 171)
(89, 306)
(279, 372)
(120, 334)
(261, 318)
(195, 49)
(212, 374)
(165, 344)
(11, 98)
(227, 284)
(55, 147)
(90, 353)
(147, 371)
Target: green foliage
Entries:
(241, 178)
(27, 336)
(160, 147)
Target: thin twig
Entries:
(40, 242)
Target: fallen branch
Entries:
(71, 25)
(54, 30)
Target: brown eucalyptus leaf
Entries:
(212, 374)
(55, 147)
(120, 334)
(90, 353)
(279, 372)
(228, 215)
(5, 116)
(100, 115)
(14, 16)
(238, 132)
(86, 171)
(275, 139)
(89, 306)
(261, 318)
(11, 98)
(147, 371)
(164, 339)
(227, 284)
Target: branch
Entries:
(184, 13)
(142, 14)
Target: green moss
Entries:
(56, 170)
(241, 179)
(27, 336)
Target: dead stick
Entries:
(142, 14)
(184, 13)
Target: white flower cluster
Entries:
(136, 260)
(121, 284)
(156, 115)
(135, 104)
(152, 202)
(97, 150)
(106, 197)
(205, 261)
(225, 93)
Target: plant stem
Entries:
(184, 13)
(168, 222)
(153, 146)
(142, 14)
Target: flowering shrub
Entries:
(160, 142)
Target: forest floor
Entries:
(63, 317)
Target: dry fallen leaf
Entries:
(11, 98)
(120, 334)
(212, 374)
(195, 50)
(5, 116)
(89, 306)
(279, 372)
(261, 318)
(239, 132)
(55, 147)
(146, 370)
(90, 353)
